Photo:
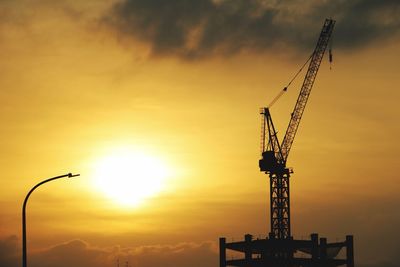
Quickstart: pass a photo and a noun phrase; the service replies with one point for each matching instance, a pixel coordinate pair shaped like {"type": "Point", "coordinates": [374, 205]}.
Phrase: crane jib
{"type": "Point", "coordinates": [306, 87]}
{"type": "Point", "coordinates": [273, 147]}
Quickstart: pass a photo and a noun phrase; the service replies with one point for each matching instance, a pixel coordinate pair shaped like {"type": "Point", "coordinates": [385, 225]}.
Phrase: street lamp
{"type": "Point", "coordinates": [24, 259]}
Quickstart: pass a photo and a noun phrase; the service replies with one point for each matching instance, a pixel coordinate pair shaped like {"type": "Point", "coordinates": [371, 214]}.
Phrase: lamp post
{"type": "Point", "coordinates": [24, 258]}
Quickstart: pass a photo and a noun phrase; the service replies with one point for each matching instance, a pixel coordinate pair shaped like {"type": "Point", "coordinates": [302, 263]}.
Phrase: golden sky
{"type": "Point", "coordinates": [183, 82]}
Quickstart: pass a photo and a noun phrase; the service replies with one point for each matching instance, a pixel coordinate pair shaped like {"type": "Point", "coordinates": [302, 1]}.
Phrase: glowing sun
{"type": "Point", "coordinates": [130, 177]}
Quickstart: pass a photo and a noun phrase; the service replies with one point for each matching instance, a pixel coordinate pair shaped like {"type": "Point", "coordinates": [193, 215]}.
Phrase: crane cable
{"type": "Point", "coordinates": [286, 87]}
{"type": "Point", "coordinates": [330, 53]}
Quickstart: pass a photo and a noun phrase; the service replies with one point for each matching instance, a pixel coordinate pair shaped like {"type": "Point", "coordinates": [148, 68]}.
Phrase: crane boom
{"type": "Point", "coordinates": [306, 87]}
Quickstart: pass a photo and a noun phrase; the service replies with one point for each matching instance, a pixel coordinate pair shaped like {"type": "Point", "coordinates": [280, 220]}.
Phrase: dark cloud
{"type": "Point", "coordinates": [363, 21]}
{"type": "Point", "coordinates": [193, 29]}
{"type": "Point", "coordinates": [381, 264]}
{"type": "Point", "coordinates": [78, 253]}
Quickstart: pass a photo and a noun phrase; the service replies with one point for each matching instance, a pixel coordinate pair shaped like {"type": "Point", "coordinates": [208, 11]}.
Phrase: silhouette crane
{"type": "Point", "coordinates": [274, 154]}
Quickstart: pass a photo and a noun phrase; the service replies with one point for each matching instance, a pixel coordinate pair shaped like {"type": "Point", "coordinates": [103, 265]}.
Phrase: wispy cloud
{"type": "Point", "coordinates": [195, 29]}
{"type": "Point", "coordinates": [78, 253]}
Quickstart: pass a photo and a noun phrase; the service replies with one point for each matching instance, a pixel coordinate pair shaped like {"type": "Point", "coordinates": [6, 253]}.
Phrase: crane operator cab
{"type": "Point", "coordinates": [269, 163]}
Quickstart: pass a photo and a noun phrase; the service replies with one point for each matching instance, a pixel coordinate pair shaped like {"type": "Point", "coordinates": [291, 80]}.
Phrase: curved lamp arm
{"type": "Point", "coordinates": [24, 257]}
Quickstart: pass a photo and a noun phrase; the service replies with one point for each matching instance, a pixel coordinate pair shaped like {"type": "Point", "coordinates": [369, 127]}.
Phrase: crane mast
{"type": "Point", "coordinates": [274, 155]}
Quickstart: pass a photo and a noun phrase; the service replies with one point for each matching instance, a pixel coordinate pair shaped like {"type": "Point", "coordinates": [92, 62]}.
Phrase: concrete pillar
{"type": "Point", "coordinates": [248, 249]}
{"type": "Point", "coordinates": [314, 249]}
{"type": "Point", "coordinates": [222, 252]}
{"type": "Point", "coordinates": [271, 235]}
{"type": "Point", "coordinates": [323, 251]}
{"type": "Point", "coordinates": [349, 251]}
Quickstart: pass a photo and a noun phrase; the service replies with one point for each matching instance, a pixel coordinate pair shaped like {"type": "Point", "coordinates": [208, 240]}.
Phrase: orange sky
{"type": "Point", "coordinates": [73, 89]}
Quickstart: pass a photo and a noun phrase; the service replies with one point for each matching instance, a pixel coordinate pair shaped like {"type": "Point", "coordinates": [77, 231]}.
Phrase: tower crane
{"type": "Point", "coordinates": [275, 154]}
{"type": "Point", "coordinates": [280, 249]}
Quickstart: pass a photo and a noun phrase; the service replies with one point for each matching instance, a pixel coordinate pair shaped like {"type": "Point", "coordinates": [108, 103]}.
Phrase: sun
{"type": "Point", "coordinates": [130, 177]}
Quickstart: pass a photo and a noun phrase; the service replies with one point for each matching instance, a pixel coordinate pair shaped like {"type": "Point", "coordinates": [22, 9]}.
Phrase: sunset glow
{"type": "Point", "coordinates": [156, 105]}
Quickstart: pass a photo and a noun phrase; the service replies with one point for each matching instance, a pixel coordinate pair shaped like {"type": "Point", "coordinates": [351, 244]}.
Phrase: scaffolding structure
{"type": "Point", "coordinates": [272, 252]}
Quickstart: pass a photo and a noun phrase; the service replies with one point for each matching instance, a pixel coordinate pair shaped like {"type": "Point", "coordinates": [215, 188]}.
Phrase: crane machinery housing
{"type": "Point", "coordinates": [279, 248]}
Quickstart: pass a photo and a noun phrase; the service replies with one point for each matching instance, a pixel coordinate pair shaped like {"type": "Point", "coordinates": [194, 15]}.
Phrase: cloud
{"type": "Point", "coordinates": [9, 251]}
{"type": "Point", "coordinates": [180, 255]}
{"type": "Point", "coordinates": [75, 253]}
{"type": "Point", "coordinates": [381, 264]}
{"type": "Point", "coordinates": [78, 253]}
{"type": "Point", "coordinates": [201, 28]}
